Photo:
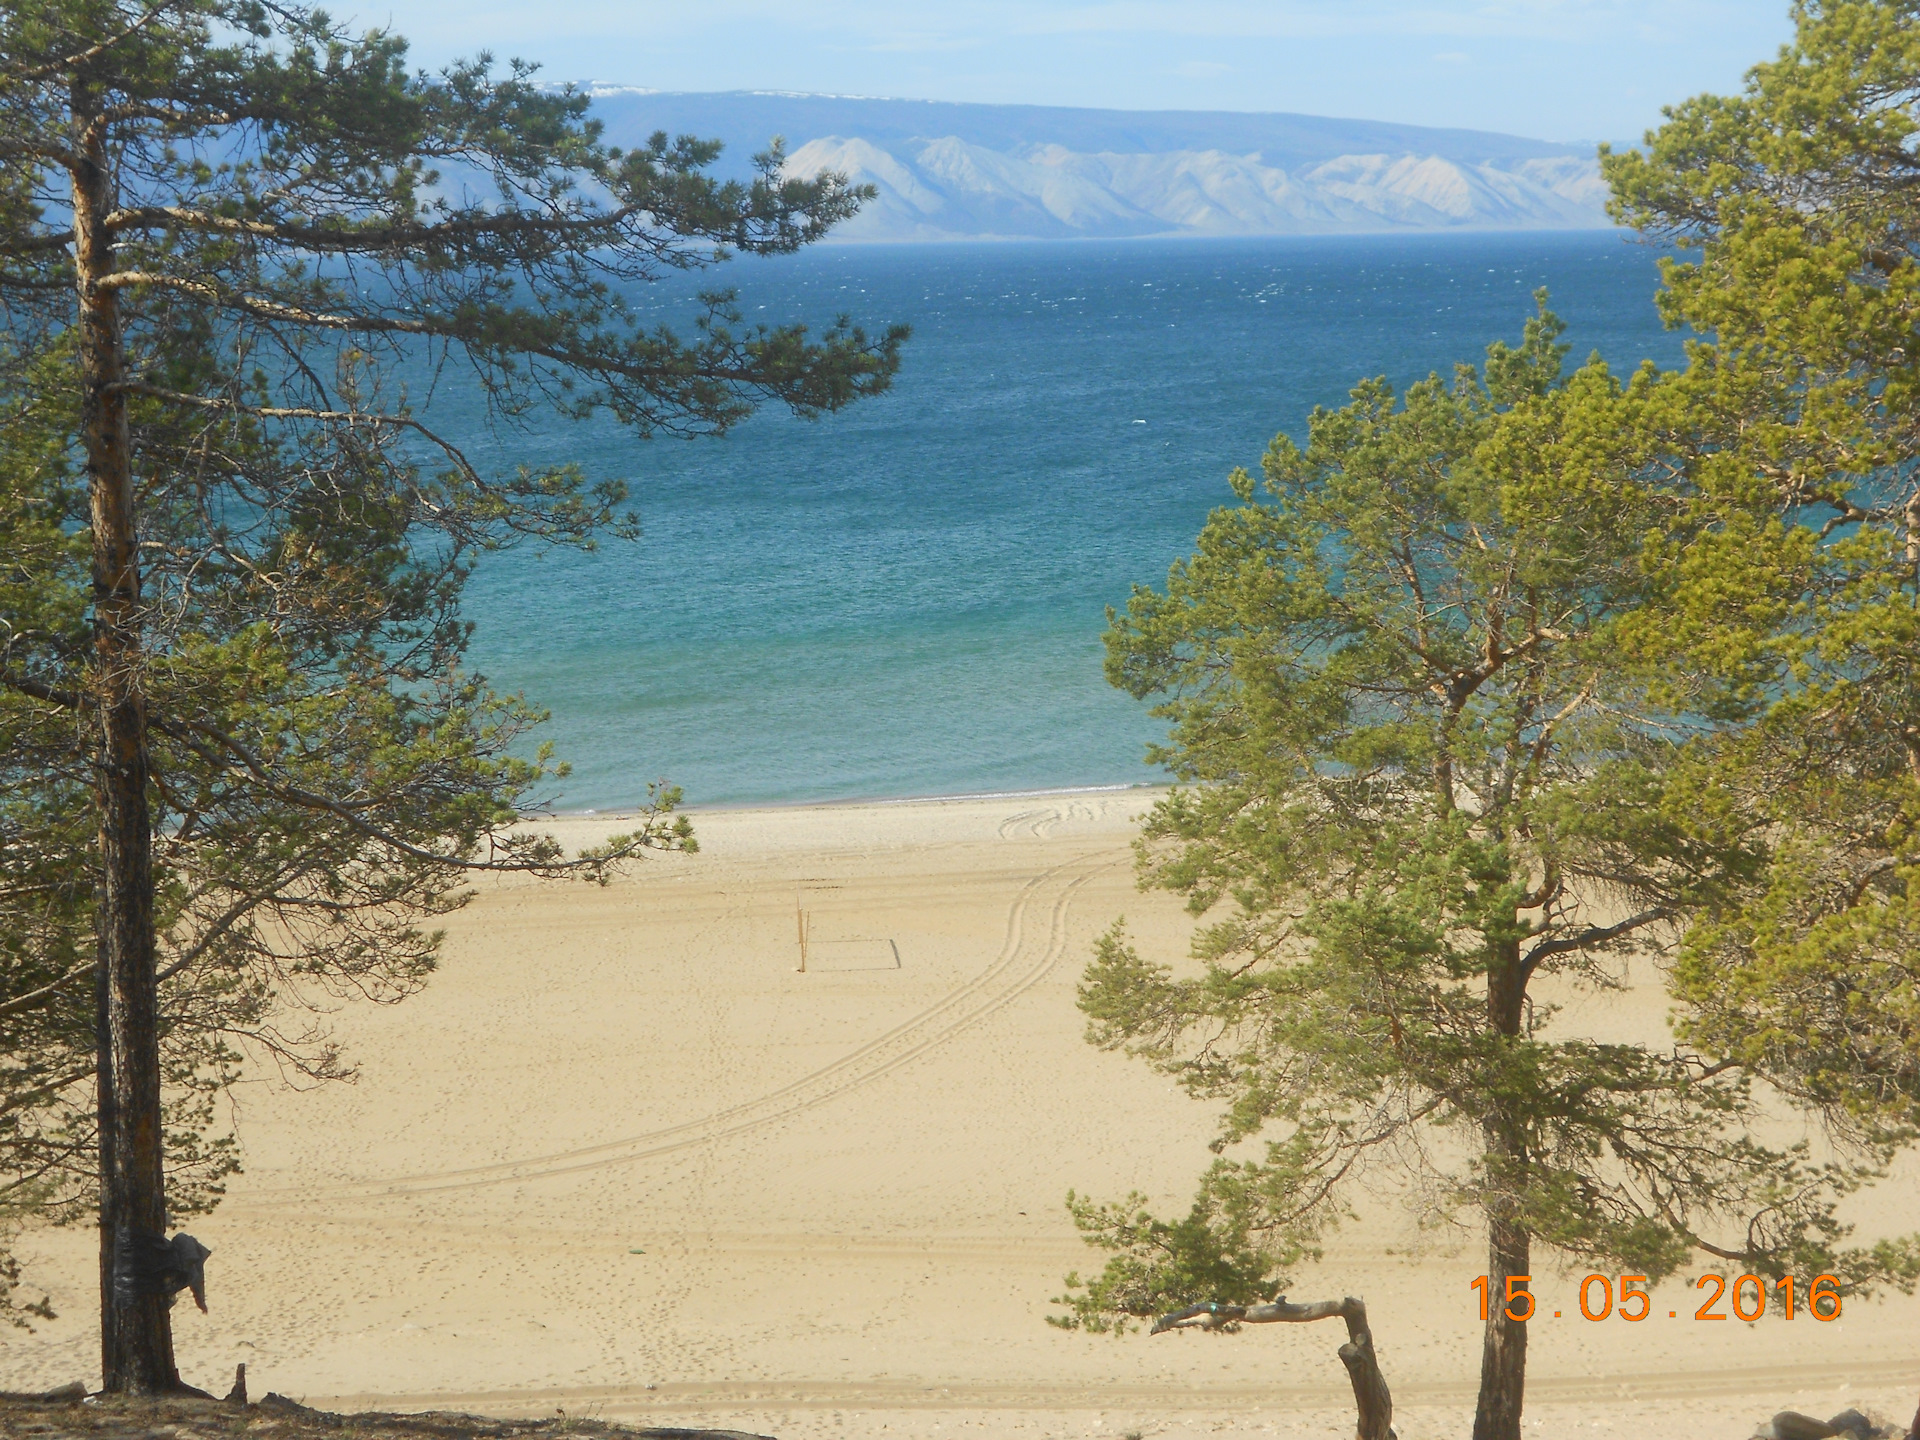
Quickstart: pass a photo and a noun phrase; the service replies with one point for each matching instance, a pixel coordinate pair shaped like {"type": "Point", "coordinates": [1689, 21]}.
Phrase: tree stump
{"type": "Point", "coordinates": [1370, 1395]}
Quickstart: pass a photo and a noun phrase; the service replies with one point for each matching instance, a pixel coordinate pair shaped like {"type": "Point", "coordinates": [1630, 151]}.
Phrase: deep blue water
{"type": "Point", "coordinates": [908, 598]}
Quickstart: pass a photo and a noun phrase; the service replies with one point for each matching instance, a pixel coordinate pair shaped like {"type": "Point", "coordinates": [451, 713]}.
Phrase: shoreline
{"type": "Point", "coordinates": [623, 812]}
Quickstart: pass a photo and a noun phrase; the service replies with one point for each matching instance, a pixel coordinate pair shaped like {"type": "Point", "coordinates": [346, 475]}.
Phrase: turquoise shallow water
{"type": "Point", "coordinates": [907, 599]}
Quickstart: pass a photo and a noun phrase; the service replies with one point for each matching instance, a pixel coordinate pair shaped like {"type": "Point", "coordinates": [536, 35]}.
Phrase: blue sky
{"type": "Point", "coordinates": [1556, 69]}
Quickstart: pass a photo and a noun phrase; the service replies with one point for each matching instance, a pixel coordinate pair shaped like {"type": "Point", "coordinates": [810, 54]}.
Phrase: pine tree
{"type": "Point", "coordinates": [1431, 778]}
{"type": "Point", "coordinates": [226, 228]}
{"type": "Point", "coordinates": [1791, 440]}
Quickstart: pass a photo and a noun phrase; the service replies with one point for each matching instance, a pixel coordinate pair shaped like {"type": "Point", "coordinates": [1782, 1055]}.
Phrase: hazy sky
{"type": "Point", "coordinates": [1556, 69]}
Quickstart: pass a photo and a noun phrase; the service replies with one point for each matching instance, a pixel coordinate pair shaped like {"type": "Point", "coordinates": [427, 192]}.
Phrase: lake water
{"type": "Point", "coordinates": [908, 598]}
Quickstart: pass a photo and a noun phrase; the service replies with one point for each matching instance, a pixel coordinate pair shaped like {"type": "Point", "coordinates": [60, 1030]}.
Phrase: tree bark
{"type": "Point", "coordinates": [1503, 1350]}
{"type": "Point", "coordinates": [1371, 1398]}
{"type": "Point", "coordinates": [136, 1333]}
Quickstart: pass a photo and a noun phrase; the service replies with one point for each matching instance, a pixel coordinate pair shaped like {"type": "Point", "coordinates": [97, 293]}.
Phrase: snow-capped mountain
{"type": "Point", "coordinates": [947, 172]}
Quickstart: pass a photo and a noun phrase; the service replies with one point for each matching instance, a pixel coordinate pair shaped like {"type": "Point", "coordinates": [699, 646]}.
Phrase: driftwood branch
{"type": "Point", "coordinates": [1370, 1395]}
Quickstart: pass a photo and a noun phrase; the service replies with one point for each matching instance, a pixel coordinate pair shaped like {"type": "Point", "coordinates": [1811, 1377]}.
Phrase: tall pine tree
{"type": "Point", "coordinates": [1792, 445]}
{"type": "Point", "coordinates": [233, 621]}
{"type": "Point", "coordinates": [1432, 782]}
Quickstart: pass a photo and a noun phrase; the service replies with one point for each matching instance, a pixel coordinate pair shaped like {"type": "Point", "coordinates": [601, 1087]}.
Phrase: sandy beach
{"type": "Point", "coordinates": [623, 1158]}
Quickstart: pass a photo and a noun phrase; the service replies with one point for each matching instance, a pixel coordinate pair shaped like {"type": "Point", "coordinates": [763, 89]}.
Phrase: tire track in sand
{"type": "Point", "coordinates": [1014, 970]}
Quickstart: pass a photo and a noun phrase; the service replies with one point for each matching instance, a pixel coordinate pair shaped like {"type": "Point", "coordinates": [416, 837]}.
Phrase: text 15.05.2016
{"type": "Point", "coordinates": [1747, 1296]}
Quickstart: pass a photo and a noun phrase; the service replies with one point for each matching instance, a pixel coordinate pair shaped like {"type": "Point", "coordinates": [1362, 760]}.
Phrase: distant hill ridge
{"type": "Point", "coordinates": [949, 171]}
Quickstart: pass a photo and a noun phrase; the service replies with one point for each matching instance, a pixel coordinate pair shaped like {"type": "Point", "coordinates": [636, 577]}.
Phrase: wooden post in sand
{"type": "Point", "coordinates": [800, 919]}
{"type": "Point", "coordinates": [1370, 1395]}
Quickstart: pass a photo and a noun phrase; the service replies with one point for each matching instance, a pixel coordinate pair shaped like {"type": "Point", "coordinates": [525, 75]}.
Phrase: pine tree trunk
{"type": "Point", "coordinates": [1503, 1351]}
{"type": "Point", "coordinates": [136, 1333]}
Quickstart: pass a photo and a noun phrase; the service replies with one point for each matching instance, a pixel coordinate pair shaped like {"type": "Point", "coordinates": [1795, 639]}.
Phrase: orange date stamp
{"type": "Point", "coordinates": [1600, 1300]}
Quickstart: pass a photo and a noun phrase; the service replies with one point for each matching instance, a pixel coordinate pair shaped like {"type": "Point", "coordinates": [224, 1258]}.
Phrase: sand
{"type": "Point", "coordinates": [623, 1159]}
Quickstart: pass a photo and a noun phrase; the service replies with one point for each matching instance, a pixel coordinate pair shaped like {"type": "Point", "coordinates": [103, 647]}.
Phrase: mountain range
{"type": "Point", "coordinates": [947, 171]}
